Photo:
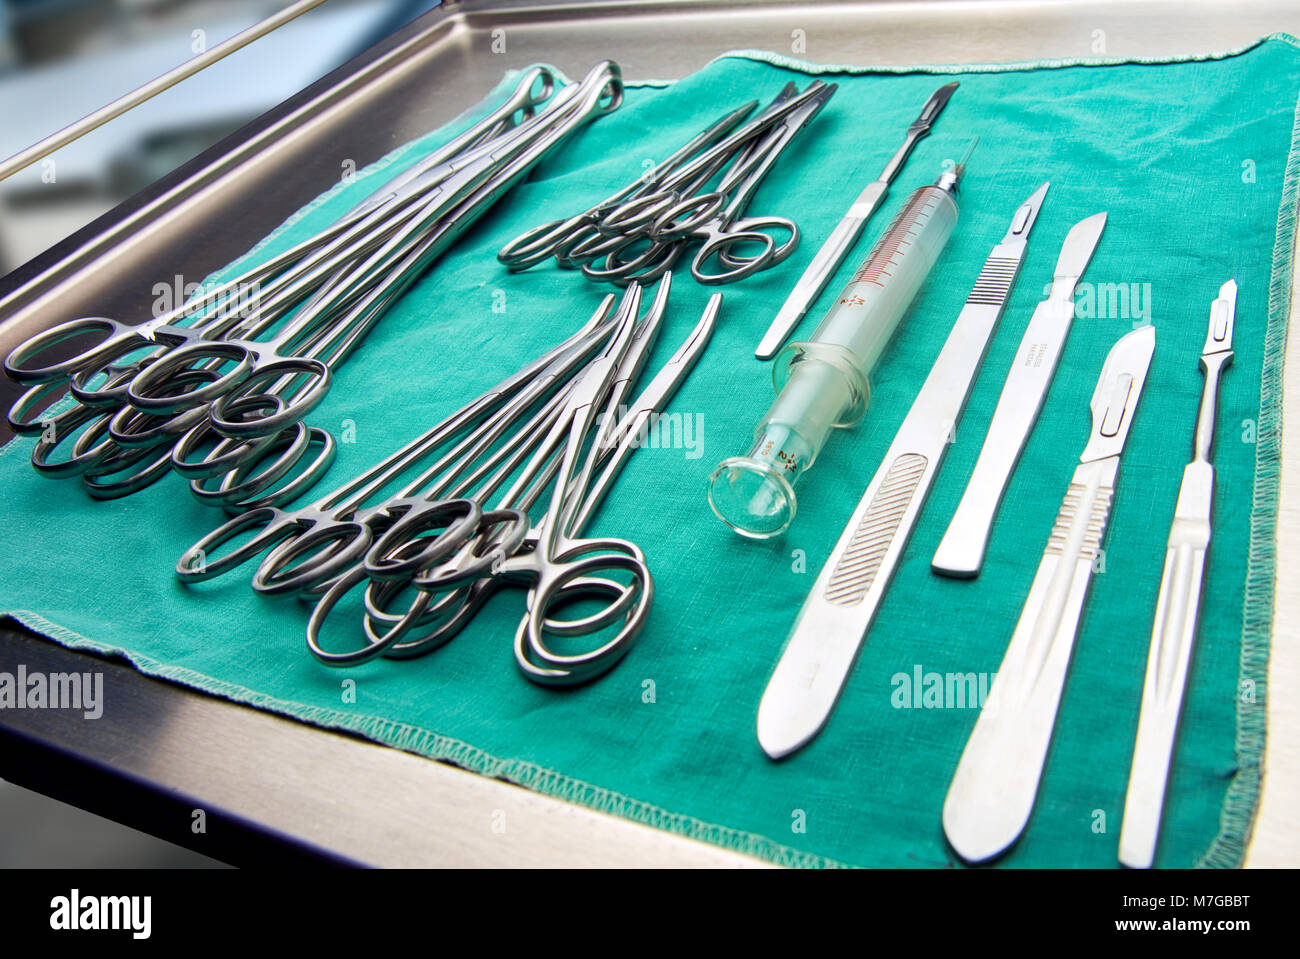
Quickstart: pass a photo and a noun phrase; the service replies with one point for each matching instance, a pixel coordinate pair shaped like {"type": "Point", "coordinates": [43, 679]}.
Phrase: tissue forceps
{"type": "Point", "coordinates": [188, 384]}
{"type": "Point", "coordinates": [341, 507]}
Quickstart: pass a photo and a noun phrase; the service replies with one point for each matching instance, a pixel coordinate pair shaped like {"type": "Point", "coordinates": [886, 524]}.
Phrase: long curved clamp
{"type": "Point", "coordinates": [1177, 609]}
{"type": "Point", "coordinates": [842, 603]}
{"type": "Point", "coordinates": [996, 783]}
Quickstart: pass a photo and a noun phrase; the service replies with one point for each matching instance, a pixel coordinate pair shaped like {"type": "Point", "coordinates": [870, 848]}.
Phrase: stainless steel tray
{"type": "Point", "coordinates": [214, 208]}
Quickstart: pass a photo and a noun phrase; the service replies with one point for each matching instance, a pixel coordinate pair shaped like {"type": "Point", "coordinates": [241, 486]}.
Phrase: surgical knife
{"type": "Point", "coordinates": [847, 231]}
{"type": "Point", "coordinates": [838, 611]}
{"type": "Point", "coordinates": [961, 551]}
{"type": "Point", "coordinates": [996, 783]}
{"type": "Point", "coordinates": [1177, 608]}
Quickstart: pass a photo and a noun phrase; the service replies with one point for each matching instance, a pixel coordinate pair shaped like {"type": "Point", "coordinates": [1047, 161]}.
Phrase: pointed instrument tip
{"type": "Point", "coordinates": [1228, 290]}
{"type": "Point", "coordinates": [1035, 199]}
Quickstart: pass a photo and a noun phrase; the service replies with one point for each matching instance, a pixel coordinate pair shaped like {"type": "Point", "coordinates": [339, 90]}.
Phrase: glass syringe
{"type": "Point", "coordinates": [824, 383]}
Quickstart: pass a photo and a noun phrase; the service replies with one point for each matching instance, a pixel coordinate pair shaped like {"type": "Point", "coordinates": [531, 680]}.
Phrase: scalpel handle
{"type": "Point", "coordinates": [996, 783]}
{"type": "Point", "coordinates": [1172, 637]}
{"type": "Point", "coordinates": [821, 269]}
{"type": "Point", "coordinates": [842, 603]}
{"type": "Point", "coordinates": [961, 551]}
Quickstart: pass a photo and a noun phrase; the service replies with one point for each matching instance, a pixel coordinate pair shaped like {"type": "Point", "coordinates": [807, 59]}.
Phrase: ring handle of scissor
{"type": "Point", "coordinates": [611, 91]}
{"type": "Point", "coordinates": [128, 428]}
{"type": "Point", "coordinates": [644, 266]}
{"type": "Point", "coordinates": [388, 642]}
{"type": "Point", "coordinates": [230, 419]}
{"type": "Point", "coordinates": [540, 243]}
{"type": "Point", "coordinates": [454, 522]}
{"type": "Point", "coordinates": [28, 417]}
{"type": "Point", "coordinates": [262, 464]}
{"type": "Point", "coordinates": [329, 544]}
{"type": "Point", "coordinates": [436, 618]}
{"type": "Point", "coordinates": [501, 534]}
{"type": "Point", "coordinates": [197, 564]}
{"type": "Point", "coordinates": [328, 548]}
{"type": "Point", "coordinates": [303, 479]}
{"type": "Point", "coordinates": [241, 493]}
{"type": "Point", "coordinates": [589, 550]}
{"type": "Point", "coordinates": [117, 339]}
{"type": "Point", "coordinates": [104, 382]}
{"type": "Point", "coordinates": [225, 453]}
{"type": "Point", "coordinates": [72, 427]}
{"type": "Point", "coordinates": [325, 605]}
{"type": "Point", "coordinates": [634, 216]}
{"type": "Point", "coordinates": [581, 577]}
{"type": "Point", "coordinates": [151, 390]}
{"type": "Point", "coordinates": [688, 216]}
{"type": "Point", "coordinates": [95, 449]}
{"type": "Point", "coordinates": [720, 241]}
{"type": "Point", "coordinates": [128, 472]}
{"type": "Point", "coordinates": [448, 594]}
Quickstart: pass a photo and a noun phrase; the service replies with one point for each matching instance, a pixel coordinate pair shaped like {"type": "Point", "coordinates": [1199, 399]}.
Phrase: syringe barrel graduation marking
{"type": "Point", "coordinates": [824, 382]}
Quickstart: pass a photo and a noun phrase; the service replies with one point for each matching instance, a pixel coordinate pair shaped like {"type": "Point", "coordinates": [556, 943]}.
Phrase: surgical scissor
{"type": "Point", "coordinates": [230, 388]}
{"type": "Point", "coordinates": [644, 229]}
{"type": "Point", "coordinates": [454, 571]}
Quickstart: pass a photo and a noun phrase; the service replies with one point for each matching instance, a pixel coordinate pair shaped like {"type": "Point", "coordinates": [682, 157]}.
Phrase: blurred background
{"type": "Point", "coordinates": [63, 59]}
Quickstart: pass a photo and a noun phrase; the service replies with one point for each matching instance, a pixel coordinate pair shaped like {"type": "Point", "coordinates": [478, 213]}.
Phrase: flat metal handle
{"type": "Point", "coordinates": [1172, 639]}
{"type": "Point", "coordinates": [835, 617]}
{"type": "Point", "coordinates": [993, 791]}
{"type": "Point", "coordinates": [961, 551]}
{"type": "Point", "coordinates": [821, 269]}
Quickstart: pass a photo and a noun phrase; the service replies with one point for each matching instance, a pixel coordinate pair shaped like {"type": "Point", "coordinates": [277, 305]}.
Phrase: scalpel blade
{"type": "Point", "coordinates": [961, 551]}
{"type": "Point", "coordinates": [842, 603]}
